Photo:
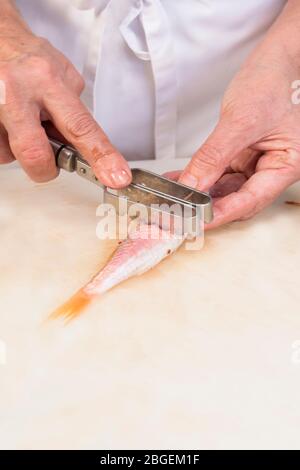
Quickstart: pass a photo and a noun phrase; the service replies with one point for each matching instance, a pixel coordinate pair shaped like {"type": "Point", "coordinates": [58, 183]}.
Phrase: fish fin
{"type": "Point", "coordinates": [73, 307]}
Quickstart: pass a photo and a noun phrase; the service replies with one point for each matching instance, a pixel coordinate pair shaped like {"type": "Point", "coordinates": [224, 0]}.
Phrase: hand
{"type": "Point", "coordinates": [257, 139]}
{"type": "Point", "coordinates": [40, 83]}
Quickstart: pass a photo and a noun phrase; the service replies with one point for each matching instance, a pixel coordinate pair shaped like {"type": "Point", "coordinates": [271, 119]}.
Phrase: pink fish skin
{"type": "Point", "coordinates": [144, 248]}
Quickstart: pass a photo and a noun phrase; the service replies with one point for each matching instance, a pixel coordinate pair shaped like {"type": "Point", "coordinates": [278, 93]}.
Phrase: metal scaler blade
{"type": "Point", "coordinates": [159, 195]}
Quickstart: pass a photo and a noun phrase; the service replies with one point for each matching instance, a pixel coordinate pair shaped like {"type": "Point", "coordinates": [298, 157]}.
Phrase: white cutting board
{"type": "Point", "coordinates": [198, 353]}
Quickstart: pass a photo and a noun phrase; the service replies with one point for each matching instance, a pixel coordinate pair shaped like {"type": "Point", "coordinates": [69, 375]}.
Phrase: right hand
{"type": "Point", "coordinates": [40, 83]}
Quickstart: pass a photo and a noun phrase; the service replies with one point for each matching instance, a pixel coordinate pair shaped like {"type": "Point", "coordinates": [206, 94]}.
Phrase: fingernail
{"type": "Point", "coordinates": [120, 177]}
{"type": "Point", "coordinates": [189, 180]}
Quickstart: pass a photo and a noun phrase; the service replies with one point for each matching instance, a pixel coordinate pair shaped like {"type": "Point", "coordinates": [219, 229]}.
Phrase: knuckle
{"type": "Point", "coordinates": [79, 82]}
{"type": "Point", "coordinates": [104, 152]}
{"type": "Point", "coordinates": [73, 78]}
{"type": "Point", "coordinates": [81, 125]}
{"type": "Point", "coordinates": [284, 161]}
{"type": "Point", "coordinates": [32, 154]}
{"type": "Point", "coordinates": [209, 157]}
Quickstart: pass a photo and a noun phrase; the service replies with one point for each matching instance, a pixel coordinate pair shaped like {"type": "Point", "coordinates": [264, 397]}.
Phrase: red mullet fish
{"type": "Point", "coordinates": [144, 248]}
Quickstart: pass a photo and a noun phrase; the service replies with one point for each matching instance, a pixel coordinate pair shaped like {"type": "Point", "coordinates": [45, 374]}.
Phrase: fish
{"type": "Point", "coordinates": [145, 246]}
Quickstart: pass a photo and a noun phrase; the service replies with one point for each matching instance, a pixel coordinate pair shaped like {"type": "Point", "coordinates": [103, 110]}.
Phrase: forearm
{"type": "Point", "coordinates": [285, 32]}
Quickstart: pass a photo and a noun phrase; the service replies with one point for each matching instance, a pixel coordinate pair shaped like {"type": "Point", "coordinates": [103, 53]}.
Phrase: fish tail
{"type": "Point", "coordinates": [73, 307]}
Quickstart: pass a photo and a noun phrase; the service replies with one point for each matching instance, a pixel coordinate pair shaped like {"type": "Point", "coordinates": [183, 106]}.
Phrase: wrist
{"type": "Point", "coordinates": [285, 32]}
{"type": "Point", "coordinates": [11, 19]}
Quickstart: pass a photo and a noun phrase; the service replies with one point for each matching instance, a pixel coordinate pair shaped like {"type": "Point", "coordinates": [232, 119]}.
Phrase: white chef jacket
{"type": "Point", "coordinates": [155, 70]}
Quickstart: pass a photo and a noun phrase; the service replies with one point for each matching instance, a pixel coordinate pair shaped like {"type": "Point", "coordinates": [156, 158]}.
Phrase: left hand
{"type": "Point", "coordinates": [255, 148]}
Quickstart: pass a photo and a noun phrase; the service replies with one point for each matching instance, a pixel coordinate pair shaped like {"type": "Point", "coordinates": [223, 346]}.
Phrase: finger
{"type": "Point", "coordinates": [228, 183]}
{"type": "Point", "coordinates": [172, 175]}
{"type": "Point", "coordinates": [51, 131]}
{"type": "Point", "coordinates": [258, 192]}
{"type": "Point", "coordinates": [225, 185]}
{"type": "Point", "coordinates": [246, 162]}
{"type": "Point", "coordinates": [6, 155]}
{"type": "Point", "coordinates": [208, 164]}
{"type": "Point", "coordinates": [30, 146]}
{"type": "Point", "coordinates": [74, 121]}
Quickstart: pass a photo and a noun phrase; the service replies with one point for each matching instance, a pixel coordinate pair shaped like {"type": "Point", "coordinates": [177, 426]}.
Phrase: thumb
{"type": "Point", "coordinates": [209, 162]}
